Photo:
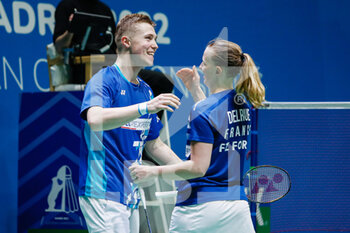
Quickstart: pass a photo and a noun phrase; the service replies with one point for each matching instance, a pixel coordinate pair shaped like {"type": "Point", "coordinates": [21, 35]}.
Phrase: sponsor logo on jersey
{"type": "Point", "coordinates": [138, 124]}
{"type": "Point", "coordinates": [239, 99]}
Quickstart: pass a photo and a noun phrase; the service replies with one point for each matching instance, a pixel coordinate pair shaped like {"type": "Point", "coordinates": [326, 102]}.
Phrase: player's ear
{"type": "Point", "coordinates": [126, 42]}
{"type": "Point", "coordinates": [218, 70]}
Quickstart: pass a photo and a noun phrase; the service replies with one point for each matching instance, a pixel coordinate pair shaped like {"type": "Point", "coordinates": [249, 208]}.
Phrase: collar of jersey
{"type": "Point", "coordinates": [120, 72]}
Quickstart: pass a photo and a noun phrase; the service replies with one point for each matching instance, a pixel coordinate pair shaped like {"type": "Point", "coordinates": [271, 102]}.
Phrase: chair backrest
{"type": "Point", "coordinates": [59, 73]}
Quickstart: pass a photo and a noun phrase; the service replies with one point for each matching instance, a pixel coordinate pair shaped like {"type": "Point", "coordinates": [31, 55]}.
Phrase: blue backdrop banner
{"type": "Point", "coordinates": [48, 166]}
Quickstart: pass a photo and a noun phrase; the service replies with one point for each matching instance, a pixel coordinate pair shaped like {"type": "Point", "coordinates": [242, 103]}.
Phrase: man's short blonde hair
{"type": "Point", "coordinates": [126, 26]}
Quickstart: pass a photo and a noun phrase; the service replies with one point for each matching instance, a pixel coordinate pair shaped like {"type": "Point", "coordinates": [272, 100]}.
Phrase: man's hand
{"type": "Point", "coordinates": [165, 101]}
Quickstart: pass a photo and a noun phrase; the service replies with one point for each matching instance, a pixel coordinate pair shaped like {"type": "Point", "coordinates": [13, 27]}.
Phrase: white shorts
{"type": "Point", "coordinates": [109, 216]}
{"type": "Point", "coordinates": [211, 217]}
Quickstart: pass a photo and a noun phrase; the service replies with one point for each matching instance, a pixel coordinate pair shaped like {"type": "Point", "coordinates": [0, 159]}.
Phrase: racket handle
{"type": "Point", "coordinates": [143, 199]}
{"type": "Point", "coordinates": [167, 194]}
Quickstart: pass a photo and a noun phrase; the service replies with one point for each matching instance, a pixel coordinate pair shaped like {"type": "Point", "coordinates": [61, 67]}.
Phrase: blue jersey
{"type": "Point", "coordinates": [106, 155]}
{"type": "Point", "coordinates": [224, 120]}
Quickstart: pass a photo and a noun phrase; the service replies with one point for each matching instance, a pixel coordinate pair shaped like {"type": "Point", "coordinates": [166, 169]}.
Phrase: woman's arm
{"type": "Point", "coordinates": [161, 152]}
{"type": "Point", "coordinates": [196, 167]}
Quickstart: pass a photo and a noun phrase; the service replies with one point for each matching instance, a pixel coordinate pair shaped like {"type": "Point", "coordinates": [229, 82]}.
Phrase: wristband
{"type": "Point", "coordinates": [142, 108]}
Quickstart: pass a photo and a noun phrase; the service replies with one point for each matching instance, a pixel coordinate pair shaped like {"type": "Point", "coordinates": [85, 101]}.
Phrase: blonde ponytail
{"type": "Point", "coordinates": [249, 82]}
{"type": "Point", "coordinates": [229, 55]}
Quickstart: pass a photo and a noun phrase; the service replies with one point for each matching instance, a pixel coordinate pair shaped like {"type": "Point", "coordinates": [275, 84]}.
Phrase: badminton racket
{"type": "Point", "coordinates": [262, 184]}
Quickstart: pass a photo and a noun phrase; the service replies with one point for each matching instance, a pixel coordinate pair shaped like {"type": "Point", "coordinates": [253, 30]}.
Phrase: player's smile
{"type": "Point", "coordinates": [144, 44]}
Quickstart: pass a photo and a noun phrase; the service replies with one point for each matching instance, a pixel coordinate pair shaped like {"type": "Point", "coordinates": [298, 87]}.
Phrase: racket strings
{"type": "Point", "coordinates": [266, 184]}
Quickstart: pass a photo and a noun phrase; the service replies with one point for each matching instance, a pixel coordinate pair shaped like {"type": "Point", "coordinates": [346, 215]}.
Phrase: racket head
{"type": "Point", "coordinates": [266, 183]}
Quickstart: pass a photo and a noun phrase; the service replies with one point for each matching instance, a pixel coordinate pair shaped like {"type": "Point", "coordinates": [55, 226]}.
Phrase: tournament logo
{"type": "Point", "coordinates": [63, 205]}
{"type": "Point", "coordinates": [63, 188]}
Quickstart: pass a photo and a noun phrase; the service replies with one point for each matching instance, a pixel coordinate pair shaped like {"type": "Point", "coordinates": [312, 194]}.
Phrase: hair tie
{"type": "Point", "coordinates": [242, 57]}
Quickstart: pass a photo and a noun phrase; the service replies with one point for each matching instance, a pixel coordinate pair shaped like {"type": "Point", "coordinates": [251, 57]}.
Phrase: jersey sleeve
{"type": "Point", "coordinates": [156, 126]}
{"type": "Point", "coordinates": [98, 92]}
{"type": "Point", "coordinates": [200, 129]}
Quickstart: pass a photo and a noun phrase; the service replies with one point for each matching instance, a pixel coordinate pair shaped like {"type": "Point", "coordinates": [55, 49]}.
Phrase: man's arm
{"type": "Point", "coordinates": [110, 118]}
{"type": "Point", "coordinates": [63, 41]}
{"type": "Point", "coordinates": [101, 119]}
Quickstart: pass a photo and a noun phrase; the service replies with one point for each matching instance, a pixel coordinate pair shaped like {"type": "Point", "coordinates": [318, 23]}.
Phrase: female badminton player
{"type": "Point", "coordinates": [210, 197]}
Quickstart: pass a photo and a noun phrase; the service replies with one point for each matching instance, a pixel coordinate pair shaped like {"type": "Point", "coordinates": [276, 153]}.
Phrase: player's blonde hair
{"type": "Point", "coordinates": [230, 55]}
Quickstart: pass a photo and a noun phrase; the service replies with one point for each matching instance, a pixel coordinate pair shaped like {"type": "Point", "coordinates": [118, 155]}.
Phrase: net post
{"type": "Point", "coordinates": [254, 155]}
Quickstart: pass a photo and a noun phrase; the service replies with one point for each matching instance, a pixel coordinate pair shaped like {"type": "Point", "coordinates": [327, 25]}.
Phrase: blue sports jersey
{"type": "Point", "coordinates": [224, 120]}
{"type": "Point", "coordinates": [106, 155]}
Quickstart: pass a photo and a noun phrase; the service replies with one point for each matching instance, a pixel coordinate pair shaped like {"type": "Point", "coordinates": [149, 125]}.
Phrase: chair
{"type": "Point", "coordinates": [60, 72]}
{"type": "Point", "coordinates": [89, 61]}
